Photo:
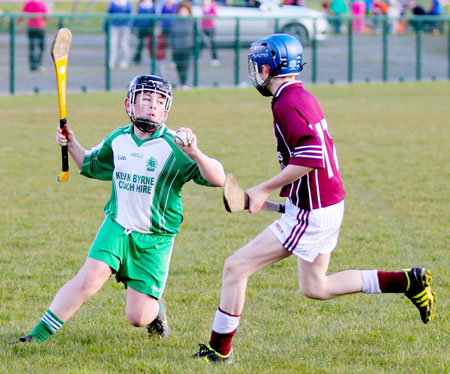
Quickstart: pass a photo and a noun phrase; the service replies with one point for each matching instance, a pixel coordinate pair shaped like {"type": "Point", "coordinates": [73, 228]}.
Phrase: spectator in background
{"type": "Point", "coordinates": [169, 7]}
{"type": "Point", "coordinates": [182, 41]}
{"type": "Point", "coordinates": [427, 26]}
{"type": "Point", "coordinates": [120, 29]}
{"type": "Point", "coordinates": [337, 8]}
{"type": "Point", "coordinates": [209, 10]}
{"type": "Point", "coordinates": [393, 13]}
{"type": "Point", "coordinates": [142, 27]}
{"type": "Point", "coordinates": [36, 33]}
{"type": "Point", "coordinates": [436, 9]}
{"type": "Point", "coordinates": [358, 13]}
{"type": "Point", "coordinates": [295, 2]}
{"type": "Point", "coordinates": [379, 9]}
{"type": "Point", "coordinates": [159, 50]}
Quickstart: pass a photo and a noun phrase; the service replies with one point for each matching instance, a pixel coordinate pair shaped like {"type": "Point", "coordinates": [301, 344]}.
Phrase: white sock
{"type": "Point", "coordinates": [225, 323]}
{"type": "Point", "coordinates": [370, 281]}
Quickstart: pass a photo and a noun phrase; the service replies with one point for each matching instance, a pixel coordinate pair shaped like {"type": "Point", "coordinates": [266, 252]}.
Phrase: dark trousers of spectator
{"type": "Point", "coordinates": [142, 34]}
{"type": "Point", "coordinates": [36, 45]}
{"type": "Point", "coordinates": [209, 40]}
{"type": "Point", "coordinates": [336, 25]}
{"type": "Point", "coordinates": [182, 59]}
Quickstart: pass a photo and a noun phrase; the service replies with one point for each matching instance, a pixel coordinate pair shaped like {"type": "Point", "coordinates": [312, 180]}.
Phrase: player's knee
{"type": "Point", "coordinates": [136, 319]}
{"type": "Point", "coordinates": [88, 284]}
{"type": "Point", "coordinates": [232, 268]}
{"type": "Point", "coordinates": [313, 291]}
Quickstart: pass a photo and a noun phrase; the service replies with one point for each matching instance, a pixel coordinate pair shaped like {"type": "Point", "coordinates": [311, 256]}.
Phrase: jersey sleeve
{"type": "Point", "coordinates": [302, 140]}
{"type": "Point", "coordinates": [98, 162]}
{"type": "Point", "coordinates": [190, 167]}
{"type": "Point", "coordinates": [192, 172]}
{"type": "Point", "coordinates": [198, 178]}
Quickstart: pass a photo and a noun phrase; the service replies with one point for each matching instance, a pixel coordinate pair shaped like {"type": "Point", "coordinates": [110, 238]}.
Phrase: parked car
{"type": "Point", "coordinates": [267, 18]}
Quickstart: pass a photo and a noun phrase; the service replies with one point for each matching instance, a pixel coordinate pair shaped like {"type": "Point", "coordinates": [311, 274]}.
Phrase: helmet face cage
{"type": "Point", "coordinates": [283, 54]}
{"type": "Point", "coordinates": [148, 84]}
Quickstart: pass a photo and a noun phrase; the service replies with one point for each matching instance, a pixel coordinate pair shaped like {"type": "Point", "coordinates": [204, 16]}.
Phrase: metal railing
{"type": "Point", "coordinates": [337, 58]}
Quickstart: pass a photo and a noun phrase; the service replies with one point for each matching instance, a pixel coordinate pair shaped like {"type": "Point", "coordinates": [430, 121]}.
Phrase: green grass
{"type": "Point", "coordinates": [392, 142]}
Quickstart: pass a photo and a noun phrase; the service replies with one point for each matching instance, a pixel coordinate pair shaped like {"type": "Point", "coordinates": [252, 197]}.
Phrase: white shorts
{"type": "Point", "coordinates": [308, 233]}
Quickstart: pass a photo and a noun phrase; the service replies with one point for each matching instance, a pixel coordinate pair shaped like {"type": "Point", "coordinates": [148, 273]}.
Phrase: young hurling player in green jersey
{"type": "Point", "coordinates": [135, 241]}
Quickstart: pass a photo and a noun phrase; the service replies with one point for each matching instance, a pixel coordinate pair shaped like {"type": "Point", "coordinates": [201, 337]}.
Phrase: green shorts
{"type": "Point", "coordinates": [140, 261]}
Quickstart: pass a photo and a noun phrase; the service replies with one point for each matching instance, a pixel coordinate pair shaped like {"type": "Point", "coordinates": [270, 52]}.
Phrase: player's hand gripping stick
{"type": "Point", "coordinates": [60, 54]}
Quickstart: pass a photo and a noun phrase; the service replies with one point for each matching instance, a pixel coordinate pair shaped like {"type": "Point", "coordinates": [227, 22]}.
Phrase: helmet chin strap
{"type": "Point", "coordinates": [263, 90]}
{"type": "Point", "coordinates": [145, 125]}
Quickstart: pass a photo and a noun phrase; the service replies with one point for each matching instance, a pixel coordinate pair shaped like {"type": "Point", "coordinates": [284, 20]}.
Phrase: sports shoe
{"type": "Point", "coordinates": [159, 326]}
{"type": "Point", "coordinates": [420, 293]}
{"type": "Point", "coordinates": [209, 354]}
{"type": "Point", "coordinates": [23, 339]}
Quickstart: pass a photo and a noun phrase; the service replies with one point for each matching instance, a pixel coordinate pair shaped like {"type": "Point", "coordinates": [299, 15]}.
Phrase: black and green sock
{"type": "Point", "coordinates": [48, 325]}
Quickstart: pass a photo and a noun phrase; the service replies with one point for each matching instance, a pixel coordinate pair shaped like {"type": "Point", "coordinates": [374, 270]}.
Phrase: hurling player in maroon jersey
{"type": "Point", "coordinates": [309, 228]}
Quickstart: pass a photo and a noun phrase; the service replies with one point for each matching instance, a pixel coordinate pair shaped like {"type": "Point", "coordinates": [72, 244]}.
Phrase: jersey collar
{"type": "Point", "coordinates": [157, 134]}
{"type": "Point", "coordinates": [284, 85]}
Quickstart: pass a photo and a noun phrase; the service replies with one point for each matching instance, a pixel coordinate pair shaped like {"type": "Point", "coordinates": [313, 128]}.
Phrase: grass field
{"type": "Point", "coordinates": [392, 142]}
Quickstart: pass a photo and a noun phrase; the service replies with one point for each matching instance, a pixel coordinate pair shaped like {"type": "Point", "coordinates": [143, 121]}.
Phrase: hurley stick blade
{"type": "Point", "coordinates": [234, 197]}
{"type": "Point", "coordinates": [61, 44]}
{"type": "Point", "coordinates": [60, 54]}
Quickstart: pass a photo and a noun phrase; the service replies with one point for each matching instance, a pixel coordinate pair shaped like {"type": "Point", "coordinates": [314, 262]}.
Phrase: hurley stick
{"type": "Point", "coordinates": [235, 199]}
{"type": "Point", "coordinates": [60, 54]}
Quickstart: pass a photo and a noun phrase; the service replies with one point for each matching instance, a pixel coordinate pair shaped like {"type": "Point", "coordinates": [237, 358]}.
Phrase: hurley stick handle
{"type": "Point", "coordinates": [268, 205]}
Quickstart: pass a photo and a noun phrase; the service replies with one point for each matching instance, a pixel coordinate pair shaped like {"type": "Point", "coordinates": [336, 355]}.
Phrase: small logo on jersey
{"type": "Point", "coordinates": [156, 289]}
{"type": "Point", "coordinates": [152, 163]}
{"type": "Point", "coordinates": [279, 228]}
{"type": "Point", "coordinates": [137, 155]}
{"type": "Point", "coordinates": [121, 157]}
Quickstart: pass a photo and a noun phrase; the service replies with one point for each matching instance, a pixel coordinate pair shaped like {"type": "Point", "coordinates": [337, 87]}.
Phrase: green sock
{"type": "Point", "coordinates": [48, 325]}
{"type": "Point", "coordinates": [160, 307]}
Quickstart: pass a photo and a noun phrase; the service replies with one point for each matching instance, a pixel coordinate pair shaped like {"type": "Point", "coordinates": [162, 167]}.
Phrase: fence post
{"type": "Point", "coordinates": [196, 52]}
{"type": "Point", "coordinates": [237, 49]}
{"type": "Point", "coordinates": [419, 50]}
{"type": "Point", "coordinates": [107, 55]}
{"type": "Point", "coordinates": [314, 53]}
{"type": "Point", "coordinates": [350, 51]}
{"type": "Point", "coordinates": [385, 48]}
{"type": "Point", "coordinates": [154, 55]}
{"type": "Point", "coordinates": [12, 55]}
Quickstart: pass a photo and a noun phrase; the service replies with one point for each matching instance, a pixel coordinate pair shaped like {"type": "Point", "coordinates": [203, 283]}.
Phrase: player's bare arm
{"type": "Point", "coordinates": [258, 194]}
{"type": "Point", "coordinates": [74, 147]}
{"type": "Point", "coordinates": [211, 169]}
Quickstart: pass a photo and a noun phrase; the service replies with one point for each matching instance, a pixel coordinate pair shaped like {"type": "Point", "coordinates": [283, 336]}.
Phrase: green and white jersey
{"type": "Point", "coordinates": [147, 179]}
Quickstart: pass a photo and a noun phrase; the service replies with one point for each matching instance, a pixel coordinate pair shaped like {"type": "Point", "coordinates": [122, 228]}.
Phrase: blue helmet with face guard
{"type": "Point", "coordinates": [148, 83]}
{"type": "Point", "coordinates": [283, 53]}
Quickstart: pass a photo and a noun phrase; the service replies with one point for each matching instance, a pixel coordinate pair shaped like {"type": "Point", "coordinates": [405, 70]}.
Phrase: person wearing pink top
{"type": "Point", "coordinates": [209, 10]}
{"type": "Point", "coordinates": [36, 33]}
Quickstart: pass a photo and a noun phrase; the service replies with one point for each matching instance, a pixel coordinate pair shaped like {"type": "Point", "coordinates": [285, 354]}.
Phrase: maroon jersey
{"type": "Point", "coordinates": [302, 138]}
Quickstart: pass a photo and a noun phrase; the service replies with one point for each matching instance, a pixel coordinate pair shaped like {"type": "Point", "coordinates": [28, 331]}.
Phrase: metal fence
{"type": "Point", "coordinates": [378, 55]}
